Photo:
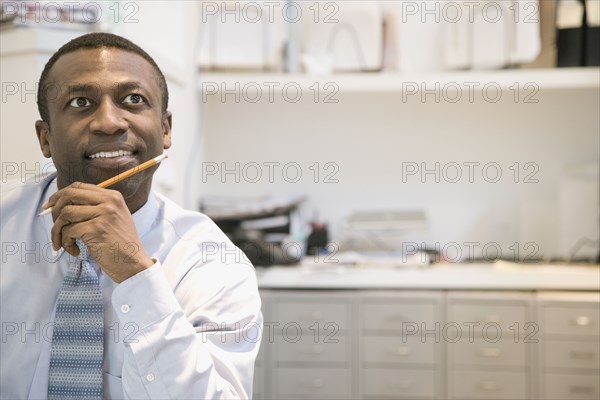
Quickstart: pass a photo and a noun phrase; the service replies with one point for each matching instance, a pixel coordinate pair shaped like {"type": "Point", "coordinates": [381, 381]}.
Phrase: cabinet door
{"type": "Point", "coordinates": [396, 350]}
{"type": "Point", "coordinates": [572, 320]}
{"type": "Point", "coordinates": [313, 349]}
{"type": "Point", "coordinates": [488, 385]}
{"type": "Point", "coordinates": [572, 354]}
{"type": "Point", "coordinates": [398, 315]}
{"type": "Point", "coordinates": [571, 386]}
{"type": "Point", "coordinates": [501, 353]}
{"type": "Point", "coordinates": [311, 313]}
{"type": "Point", "coordinates": [399, 383]}
{"type": "Point", "coordinates": [313, 383]}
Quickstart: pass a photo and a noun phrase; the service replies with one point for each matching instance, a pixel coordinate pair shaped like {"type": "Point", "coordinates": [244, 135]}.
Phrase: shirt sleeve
{"type": "Point", "coordinates": [189, 344]}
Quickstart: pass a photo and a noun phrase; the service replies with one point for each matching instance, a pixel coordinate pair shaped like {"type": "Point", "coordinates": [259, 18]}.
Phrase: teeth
{"type": "Point", "coordinates": [111, 154]}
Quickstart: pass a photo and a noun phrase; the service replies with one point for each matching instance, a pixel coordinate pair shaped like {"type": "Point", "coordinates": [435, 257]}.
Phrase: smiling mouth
{"type": "Point", "coordinates": [110, 154]}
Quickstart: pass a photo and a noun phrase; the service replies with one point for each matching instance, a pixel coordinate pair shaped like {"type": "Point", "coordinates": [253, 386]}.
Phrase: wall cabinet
{"type": "Point", "coordinates": [439, 344]}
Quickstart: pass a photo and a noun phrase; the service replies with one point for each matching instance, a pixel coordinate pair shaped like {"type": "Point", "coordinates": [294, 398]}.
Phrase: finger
{"type": "Point", "coordinates": [88, 195]}
{"type": "Point", "coordinates": [70, 235]}
{"type": "Point", "coordinates": [80, 193]}
{"type": "Point", "coordinates": [69, 215]}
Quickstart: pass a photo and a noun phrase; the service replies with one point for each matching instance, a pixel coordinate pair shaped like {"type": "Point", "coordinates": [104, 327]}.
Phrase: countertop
{"type": "Point", "coordinates": [490, 276]}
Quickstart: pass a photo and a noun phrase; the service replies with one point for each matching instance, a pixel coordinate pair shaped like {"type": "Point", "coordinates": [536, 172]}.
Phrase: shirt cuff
{"type": "Point", "coordinates": [145, 298]}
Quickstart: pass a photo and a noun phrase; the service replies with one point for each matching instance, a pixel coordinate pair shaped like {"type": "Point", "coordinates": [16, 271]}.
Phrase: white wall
{"type": "Point", "coordinates": [370, 135]}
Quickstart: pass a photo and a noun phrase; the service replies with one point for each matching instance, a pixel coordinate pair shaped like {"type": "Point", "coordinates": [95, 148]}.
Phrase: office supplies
{"type": "Point", "coordinates": [122, 176]}
{"type": "Point", "coordinates": [570, 35]}
{"type": "Point", "coordinates": [592, 33]}
{"type": "Point", "coordinates": [266, 229]}
{"type": "Point", "coordinates": [346, 35]}
{"type": "Point", "coordinates": [245, 36]}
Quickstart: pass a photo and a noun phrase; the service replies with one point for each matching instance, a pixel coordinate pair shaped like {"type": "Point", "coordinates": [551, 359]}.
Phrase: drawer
{"type": "Point", "coordinates": [572, 387]}
{"type": "Point", "coordinates": [306, 350]}
{"type": "Point", "coordinates": [488, 385]}
{"type": "Point", "coordinates": [318, 383]}
{"type": "Point", "coordinates": [312, 316]}
{"type": "Point", "coordinates": [571, 354]}
{"type": "Point", "coordinates": [571, 320]}
{"type": "Point", "coordinates": [393, 316]}
{"type": "Point", "coordinates": [506, 316]}
{"type": "Point", "coordinates": [392, 349]}
{"type": "Point", "coordinates": [503, 353]}
{"type": "Point", "coordinates": [400, 383]}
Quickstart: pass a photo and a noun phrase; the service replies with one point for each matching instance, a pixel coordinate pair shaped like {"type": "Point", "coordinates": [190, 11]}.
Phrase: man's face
{"type": "Point", "coordinates": [105, 117]}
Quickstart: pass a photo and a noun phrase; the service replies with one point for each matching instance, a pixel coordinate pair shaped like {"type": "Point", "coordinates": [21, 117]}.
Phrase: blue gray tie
{"type": "Point", "coordinates": [77, 341]}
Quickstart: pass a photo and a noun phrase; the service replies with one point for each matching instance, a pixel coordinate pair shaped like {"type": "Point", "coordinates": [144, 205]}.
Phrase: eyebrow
{"type": "Point", "coordinates": [91, 87]}
{"type": "Point", "coordinates": [125, 86]}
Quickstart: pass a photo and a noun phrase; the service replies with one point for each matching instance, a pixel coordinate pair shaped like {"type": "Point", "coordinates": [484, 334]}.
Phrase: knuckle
{"type": "Point", "coordinates": [116, 197]}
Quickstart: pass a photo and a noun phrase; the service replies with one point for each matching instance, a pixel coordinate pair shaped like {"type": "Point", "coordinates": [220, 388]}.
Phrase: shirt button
{"type": "Point", "coordinates": [150, 377]}
{"type": "Point", "coordinates": [125, 308]}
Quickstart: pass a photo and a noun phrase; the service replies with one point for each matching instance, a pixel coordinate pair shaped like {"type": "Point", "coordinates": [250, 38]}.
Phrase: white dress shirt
{"type": "Point", "coordinates": [188, 327]}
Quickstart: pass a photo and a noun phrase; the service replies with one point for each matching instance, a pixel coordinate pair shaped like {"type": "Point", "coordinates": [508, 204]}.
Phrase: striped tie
{"type": "Point", "coordinates": [77, 341]}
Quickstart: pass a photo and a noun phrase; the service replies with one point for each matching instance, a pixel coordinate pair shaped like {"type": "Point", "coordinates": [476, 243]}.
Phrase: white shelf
{"type": "Point", "coordinates": [563, 78]}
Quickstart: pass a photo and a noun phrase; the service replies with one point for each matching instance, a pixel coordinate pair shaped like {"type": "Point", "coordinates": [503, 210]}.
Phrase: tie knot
{"type": "Point", "coordinates": [83, 250]}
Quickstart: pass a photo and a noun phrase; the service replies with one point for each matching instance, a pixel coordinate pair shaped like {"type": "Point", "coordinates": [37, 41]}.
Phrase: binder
{"type": "Point", "coordinates": [592, 33]}
{"type": "Point", "coordinates": [570, 34]}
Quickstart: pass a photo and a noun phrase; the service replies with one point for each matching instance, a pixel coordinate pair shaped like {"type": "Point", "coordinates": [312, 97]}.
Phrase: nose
{"type": "Point", "coordinates": [108, 119]}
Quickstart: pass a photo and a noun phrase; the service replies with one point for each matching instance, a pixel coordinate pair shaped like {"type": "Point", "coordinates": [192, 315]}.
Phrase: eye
{"type": "Point", "coordinates": [79, 102]}
{"type": "Point", "coordinates": [134, 98]}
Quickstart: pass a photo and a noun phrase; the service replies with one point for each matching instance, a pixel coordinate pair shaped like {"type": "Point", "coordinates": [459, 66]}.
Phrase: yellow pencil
{"type": "Point", "coordinates": [122, 175]}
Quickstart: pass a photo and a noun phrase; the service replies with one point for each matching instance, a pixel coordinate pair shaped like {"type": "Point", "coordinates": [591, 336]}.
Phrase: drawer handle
{"type": "Point", "coordinates": [317, 383]}
{"type": "Point", "coordinates": [581, 389]}
{"type": "Point", "coordinates": [491, 318]}
{"type": "Point", "coordinates": [490, 352]}
{"type": "Point", "coordinates": [489, 386]}
{"type": "Point", "coordinates": [395, 318]}
{"type": "Point", "coordinates": [317, 315]}
{"type": "Point", "coordinates": [400, 385]}
{"type": "Point", "coordinates": [400, 351]}
{"type": "Point", "coordinates": [581, 355]}
{"type": "Point", "coordinates": [582, 320]}
{"type": "Point", "coordinates": [315, 350]}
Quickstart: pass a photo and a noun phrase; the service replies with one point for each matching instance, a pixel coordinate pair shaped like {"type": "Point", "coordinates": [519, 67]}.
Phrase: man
{"type": "Point", "coordinates": [181, 310]}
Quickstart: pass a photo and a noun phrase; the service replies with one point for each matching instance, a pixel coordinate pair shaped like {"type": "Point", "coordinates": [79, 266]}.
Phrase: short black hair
{"type": "Point", "coordinates": [96, 40]}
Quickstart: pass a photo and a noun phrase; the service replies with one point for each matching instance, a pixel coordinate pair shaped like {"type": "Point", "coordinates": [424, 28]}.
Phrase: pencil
{"type": "Point", "coordinates": [122, 176]}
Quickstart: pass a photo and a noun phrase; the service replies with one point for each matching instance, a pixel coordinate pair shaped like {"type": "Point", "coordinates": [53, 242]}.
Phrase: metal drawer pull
{"type": "Point", "coordinates": [395, 318]}
{"type": "Point", "coordinates": [491, 318]}
{"type": "Point", "coordinates": [316, 315]}
{"type": "Point", "coordinates": [490, 352]}
{"type": "Point", "coordinates": [489, 386]}
{"type": "Point", "coordinates": [581, 389]}
{"type": "Point", "coordinates": [582, 320]}
{"type": "Point", "coordinates": [400, 385]}
{"type": "Point", "coordinates": [400, 351]}
{"type": "Point", "coordinates": [318, 383]}
{"type": "Point", "coordinates": [581, 355]}
{"type": "Point", "coordinates": [313, 350]}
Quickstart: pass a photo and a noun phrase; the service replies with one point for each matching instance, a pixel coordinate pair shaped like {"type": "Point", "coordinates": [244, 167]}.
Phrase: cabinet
{"type": "Point", "coordinates": [570, 339]}
{"type": "Point", "coordinates": [489, 349]}
{"type": "Point", "coordinates": [308, 344]}
{"type": "Point", "coordinates": [429, 344]}
{"type": "Point", "coordinates": [400, 353]}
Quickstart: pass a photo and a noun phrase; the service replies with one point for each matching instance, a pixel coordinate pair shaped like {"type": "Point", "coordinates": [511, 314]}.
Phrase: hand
{"type": "Point", "coordinates": [101, 218]}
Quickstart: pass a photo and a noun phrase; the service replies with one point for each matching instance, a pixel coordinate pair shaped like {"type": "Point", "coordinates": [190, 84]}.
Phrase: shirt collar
{"type": "Point", "coordinates": [143, 218]}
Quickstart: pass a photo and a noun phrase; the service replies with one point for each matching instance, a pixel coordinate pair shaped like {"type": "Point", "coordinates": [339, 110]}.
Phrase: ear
{"type": "Point", "coordinates": [167, 124]}
{"type": "Point", "coordinates": [43, 131]}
